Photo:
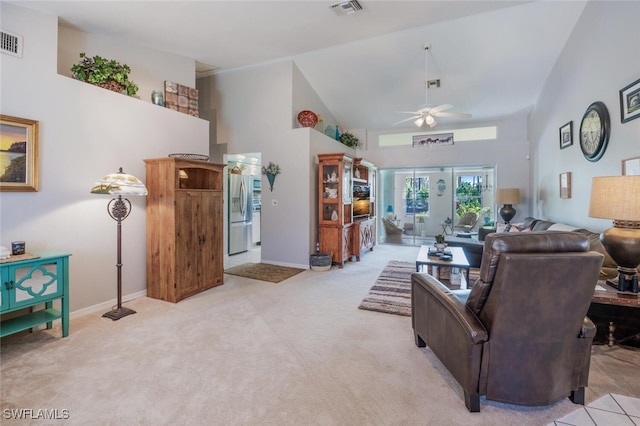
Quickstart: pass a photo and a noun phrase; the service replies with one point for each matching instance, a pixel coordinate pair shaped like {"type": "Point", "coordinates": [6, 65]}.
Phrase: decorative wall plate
{"type": "Point", "coordinates": [307, 118]}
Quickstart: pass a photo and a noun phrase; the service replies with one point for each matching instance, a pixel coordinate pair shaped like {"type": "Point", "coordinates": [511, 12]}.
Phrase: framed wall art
{"type": "Point", "coordinates": [630, 102]}
{"type": "Point", "coordinates": [565, 185]}
{"type": "Point", "coordinates": [631, 166]}
{"type": "Point", "coordinates": [566, 135]}
{"type": "Point", "coordinates": [18, 154]}
{"type": "Point", "coordinates": [430, 140]}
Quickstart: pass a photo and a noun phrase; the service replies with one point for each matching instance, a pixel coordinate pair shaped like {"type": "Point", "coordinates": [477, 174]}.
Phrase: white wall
{"type": "Point", "coordinates": [599, 59]}
{"type": "Point", "coordinates": [255, 112]}
{"type": "Point", "coordinates": [509, 153]}
{"type": "Point", "coordinates": [85, 133]}
{"type": "Point", "coordinates": [149, 68]}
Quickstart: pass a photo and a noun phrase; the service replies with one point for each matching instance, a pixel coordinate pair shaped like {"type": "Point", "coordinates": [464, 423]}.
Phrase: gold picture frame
{"type": "Point", "coordinates": [18, 154]}
{"type": "Point", "coordinates": [631, 166]}
{"type": "Point", "coordinates": [565, 185]}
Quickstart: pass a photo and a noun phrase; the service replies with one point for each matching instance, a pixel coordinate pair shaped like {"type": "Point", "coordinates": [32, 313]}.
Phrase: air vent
{"type": "Point", "coordinates": [347, 7]}
{"type": "Point", "coordinates": [10, 43]}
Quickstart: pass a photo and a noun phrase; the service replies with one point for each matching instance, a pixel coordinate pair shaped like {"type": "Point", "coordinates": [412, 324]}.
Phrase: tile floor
{"type": "Point", "coordinates": [252, 255]}
{"type": "Point", "coordinates": [609, 410]}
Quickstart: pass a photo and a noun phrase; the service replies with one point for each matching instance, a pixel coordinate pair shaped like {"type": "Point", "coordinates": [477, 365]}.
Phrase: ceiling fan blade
{"type": "Point", "coordinates": [407, 119]}
{"type": "Point", "coordinates": [439, 108]}
{"type": "Point", "coordinates": [408, 112]}
{"type": "Point", "coordinates": [453, 115]}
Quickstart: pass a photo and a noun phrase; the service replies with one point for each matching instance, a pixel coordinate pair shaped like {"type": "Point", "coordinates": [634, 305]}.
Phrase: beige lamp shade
{"type": "Point", "coordinates": [119, 184]}
{"type": "Point", "coordinates": [615, 197]}
{"type": "Point", "coordinates": [508, 196]}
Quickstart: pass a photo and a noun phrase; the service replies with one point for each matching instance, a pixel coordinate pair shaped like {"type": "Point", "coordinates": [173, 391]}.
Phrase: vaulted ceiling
{"type": "Point", "coordinates": [492, 57]}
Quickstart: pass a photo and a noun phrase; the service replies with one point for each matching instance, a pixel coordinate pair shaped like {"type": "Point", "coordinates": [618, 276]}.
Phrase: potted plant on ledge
{"type": "Point", "coordinates": [106, 73]}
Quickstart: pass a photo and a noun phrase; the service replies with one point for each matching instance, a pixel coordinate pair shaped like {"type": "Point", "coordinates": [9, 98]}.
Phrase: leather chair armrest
{"type": "Point", "coordinates": [466, 319]}
{"type": "Point", "coordinates": [588, 329]}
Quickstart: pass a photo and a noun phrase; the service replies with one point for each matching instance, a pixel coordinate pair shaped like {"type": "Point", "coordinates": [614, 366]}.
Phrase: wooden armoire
{"type": "Point", "coordinates": [184, 227]}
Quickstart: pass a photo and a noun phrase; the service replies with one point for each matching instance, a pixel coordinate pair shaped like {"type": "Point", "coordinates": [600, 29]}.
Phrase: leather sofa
{"type": "Point", "coordinates": [609, 266]}
{"type": "Point", "coordinates": [520, 335]}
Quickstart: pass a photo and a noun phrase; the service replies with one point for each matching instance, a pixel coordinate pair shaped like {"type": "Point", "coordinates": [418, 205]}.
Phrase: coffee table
{"type": "Point", "coordinates": [459, 260]}
{"type": "Point", "coordinates": [608, 302]}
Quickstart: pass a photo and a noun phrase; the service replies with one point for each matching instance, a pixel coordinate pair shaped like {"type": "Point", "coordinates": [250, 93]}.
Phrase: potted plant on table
{"type": "Point", "coordinates": [106, 73]}
{"type": "Point", "coordinates": [440, 244]}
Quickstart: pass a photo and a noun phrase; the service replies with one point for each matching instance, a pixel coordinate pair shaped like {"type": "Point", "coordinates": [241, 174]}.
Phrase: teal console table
{"type": "Point", "coordinates": [41, 278]}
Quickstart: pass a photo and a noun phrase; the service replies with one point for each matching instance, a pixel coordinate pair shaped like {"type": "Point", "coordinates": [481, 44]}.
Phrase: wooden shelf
{"type": "Point", "coordinates": [28, 321]}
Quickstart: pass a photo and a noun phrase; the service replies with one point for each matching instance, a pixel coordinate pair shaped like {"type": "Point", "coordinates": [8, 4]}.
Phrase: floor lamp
{"type": "Point", "coordinates": [507, 197]}
{"type": "Point", "coordinates": [119, 208]}
{"type": "Point", "coordinates": [618, 198]}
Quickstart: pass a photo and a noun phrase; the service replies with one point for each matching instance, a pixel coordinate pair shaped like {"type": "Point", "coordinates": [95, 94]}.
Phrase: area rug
{"type": "Point", "coordinates": [263, 272]}
{"type": "Point", "coordinates": [391, 292]}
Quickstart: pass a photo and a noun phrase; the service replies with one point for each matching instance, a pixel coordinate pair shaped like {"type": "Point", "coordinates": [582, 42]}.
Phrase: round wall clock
{"type": "Point", "coordinates": [594, 131]}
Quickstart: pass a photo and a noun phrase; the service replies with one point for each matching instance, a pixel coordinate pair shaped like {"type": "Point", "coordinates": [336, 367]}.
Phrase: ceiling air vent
{"type": "Point", "coordinates": [347, 7]}
{"type": "Point", "coordinates": [10, 43]}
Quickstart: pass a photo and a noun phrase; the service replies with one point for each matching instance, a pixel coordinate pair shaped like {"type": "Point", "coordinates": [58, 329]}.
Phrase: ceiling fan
{"type": "Point", "coordinates": [427, 114]}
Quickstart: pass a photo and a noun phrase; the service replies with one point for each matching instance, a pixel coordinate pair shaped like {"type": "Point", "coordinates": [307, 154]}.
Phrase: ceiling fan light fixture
{"type": "Point", "coordinates": [430, 121]}
{"type": "Point", "coordinates": [419, 122]}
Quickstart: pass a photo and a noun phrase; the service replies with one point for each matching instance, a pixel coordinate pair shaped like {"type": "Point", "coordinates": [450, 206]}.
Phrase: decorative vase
{"type": "Point", "coordinates": [440, 247]}
{"type": "Point", "coordinates": [334, 215]}
{"type": "Point", "coordinates": [271, 178]}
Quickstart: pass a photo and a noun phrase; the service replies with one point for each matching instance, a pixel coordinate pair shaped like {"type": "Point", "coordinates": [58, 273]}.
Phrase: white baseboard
{"type": "Point", "coordinates": [105, 306]}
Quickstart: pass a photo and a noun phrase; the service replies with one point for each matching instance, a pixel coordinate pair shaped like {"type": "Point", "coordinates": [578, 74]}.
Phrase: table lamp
{"type": "Point", "coordinates": [618, 198]}
{"type": "Point", "coordinates": [119, 208]}
{"type": "Point", "coordinates": [507, 197]}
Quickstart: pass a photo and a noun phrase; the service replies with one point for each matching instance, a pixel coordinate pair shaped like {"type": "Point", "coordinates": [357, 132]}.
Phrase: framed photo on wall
{"type": "Point", "coordinates": [566, 135]}
{"type": "Point", "coordinates": [631, 166]}
{"type": "Point", "coordinates": [630, 102]}
{"type": "Point", "coordinates": [565, 185]}
{"type": "Point", "coordinates": [18, 154]}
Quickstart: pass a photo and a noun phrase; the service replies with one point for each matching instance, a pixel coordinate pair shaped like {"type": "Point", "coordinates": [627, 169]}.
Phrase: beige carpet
{"type": "Point", "coordinates": [245, 353]}
{"type": "Point", "coordinates": [263, 272]}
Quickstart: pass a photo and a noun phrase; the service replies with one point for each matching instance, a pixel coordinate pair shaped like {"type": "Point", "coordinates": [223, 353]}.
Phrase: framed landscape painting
{"type": "Point", "coordinates": [18, 154]}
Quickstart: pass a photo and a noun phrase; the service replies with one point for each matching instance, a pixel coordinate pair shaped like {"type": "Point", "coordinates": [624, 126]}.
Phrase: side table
{"type": "Point", "coordinates": [446, 228]}
{"type": "Point", "coordinates": [615, 312]}
{"type": "Point", "coordinates": [34, 279]}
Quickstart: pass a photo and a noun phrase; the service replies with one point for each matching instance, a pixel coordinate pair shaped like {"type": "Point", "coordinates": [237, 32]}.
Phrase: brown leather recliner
{"type": "Point", "coordinates": [520, 335]}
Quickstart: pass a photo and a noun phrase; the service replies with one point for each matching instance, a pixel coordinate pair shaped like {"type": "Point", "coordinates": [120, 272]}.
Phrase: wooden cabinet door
{"type": "Point", "coordinates": [211, 263]}
{"type": "Point", "coordinates": [188, 211]}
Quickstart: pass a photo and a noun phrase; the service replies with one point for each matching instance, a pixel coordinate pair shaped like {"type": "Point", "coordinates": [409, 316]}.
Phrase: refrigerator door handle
{"type": "Point", "coordinates": [243, 201]}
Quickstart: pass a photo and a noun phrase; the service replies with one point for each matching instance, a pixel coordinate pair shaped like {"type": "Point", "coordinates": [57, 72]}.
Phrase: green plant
{"type": "Point", "coordinates": [439, 239]}
{"type": "Point", "coordinates": [100, 71]}
{"type": "Point", "coordinates": [271, 169]}
{"type": "Point", "coordinates": [349, 139]}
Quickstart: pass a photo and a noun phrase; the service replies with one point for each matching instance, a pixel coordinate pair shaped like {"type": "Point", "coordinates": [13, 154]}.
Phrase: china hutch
{"type": "Point", "coordinates": [346, 206]}
{"type": "Point", "coordinates": [184, 227]}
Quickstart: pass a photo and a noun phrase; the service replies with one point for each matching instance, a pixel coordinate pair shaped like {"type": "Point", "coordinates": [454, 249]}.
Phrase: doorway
{"type": "Point", "coordinates": [243, 193]}
{"type": "Point", "coordinates": [423, 202]}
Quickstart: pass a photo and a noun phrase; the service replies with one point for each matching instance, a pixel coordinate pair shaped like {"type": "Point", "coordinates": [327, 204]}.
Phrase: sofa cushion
{"type": "Point", "coordinates": [541, 225]}
{"type": "Point", "coordinates": [561, 227]}
{"type": "Point", "coordinates": [596, 245]}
